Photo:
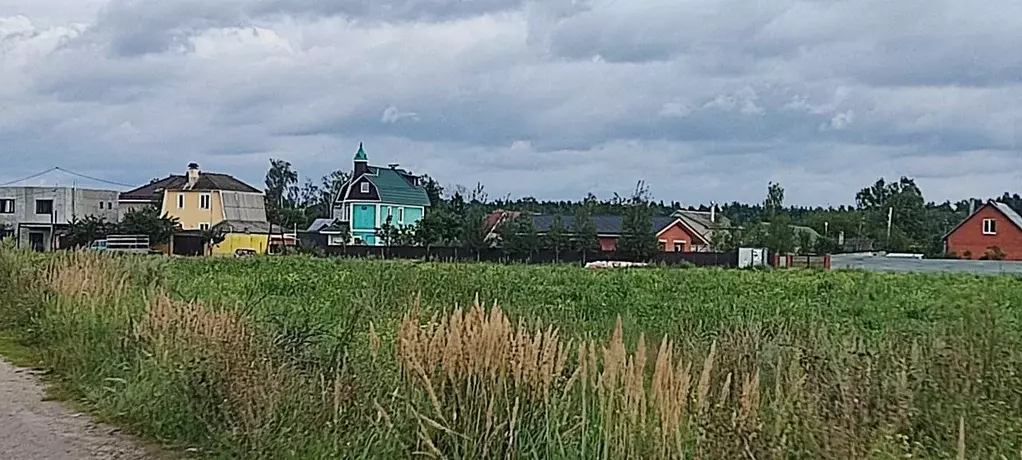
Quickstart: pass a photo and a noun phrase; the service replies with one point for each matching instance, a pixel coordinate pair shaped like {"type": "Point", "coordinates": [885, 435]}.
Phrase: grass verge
{"type": "Point", "coordinates": [303, 358]}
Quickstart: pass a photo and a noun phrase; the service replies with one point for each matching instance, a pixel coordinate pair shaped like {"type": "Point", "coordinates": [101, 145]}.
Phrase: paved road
{"type": "Point", "coordinates": [888, 264]}
{"type": "Point", "coordinates": [33, 429]}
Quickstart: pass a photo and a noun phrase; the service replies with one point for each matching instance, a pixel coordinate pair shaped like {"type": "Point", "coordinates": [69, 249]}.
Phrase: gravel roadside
{"type": "Point", "coordinates": [34, 429]}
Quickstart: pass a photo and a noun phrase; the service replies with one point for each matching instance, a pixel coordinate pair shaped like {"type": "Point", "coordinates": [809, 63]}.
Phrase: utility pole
{"type": "Point", "coordinates": [890, 221]}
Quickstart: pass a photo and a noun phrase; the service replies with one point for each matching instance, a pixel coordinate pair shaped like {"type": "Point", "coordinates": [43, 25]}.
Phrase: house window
{"type": "Point", "coordinates": [203, 226]}
{"type": "Point", "coordinates": [44, 206]}
{"type": "Point", "coordinates": [400, 215]}
{"type": "Point", "coordinates": [365, 187]}
{"type": "Point", "coordinates": [109, 204]}
{"type": "Point", "coordinates": [679, 246]}
{"type": "Point", "coordinates": [101, 204]}
{"type": "Point", "coordinates": [663, 245]}
{"type": "Point", "coordinates": [7, 206]}
{"type": "Point", "coordinates": [989, 227]}
{"type": "Point", "coordinates": [204, 201]}
{"type": "Point", "coordinates": [180, 201]}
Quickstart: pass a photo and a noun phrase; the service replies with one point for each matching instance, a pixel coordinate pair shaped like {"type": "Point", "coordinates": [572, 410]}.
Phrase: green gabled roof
{"type": "Point", "coordinates": [395, 189]}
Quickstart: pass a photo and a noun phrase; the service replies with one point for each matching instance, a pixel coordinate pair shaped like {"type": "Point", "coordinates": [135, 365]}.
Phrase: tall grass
{"type": "Point", "coordinates": [302, 358]}
{"type": "Point", "coordinates": [483, 388]}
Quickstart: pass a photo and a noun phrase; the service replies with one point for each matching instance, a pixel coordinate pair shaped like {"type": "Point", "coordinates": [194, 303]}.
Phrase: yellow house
{"type": "Point", "coordinates": [202, 201]}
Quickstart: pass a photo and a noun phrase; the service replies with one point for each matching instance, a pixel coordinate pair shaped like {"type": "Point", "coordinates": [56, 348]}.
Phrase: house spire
{"type": "Point", "coordinates": [361, 162]}
{"type": "Point", "coordinates": [361, 154]}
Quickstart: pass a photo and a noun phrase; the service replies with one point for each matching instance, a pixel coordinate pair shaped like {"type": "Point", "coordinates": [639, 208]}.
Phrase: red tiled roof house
{"type": "Point", "coordinates": [994, 231]}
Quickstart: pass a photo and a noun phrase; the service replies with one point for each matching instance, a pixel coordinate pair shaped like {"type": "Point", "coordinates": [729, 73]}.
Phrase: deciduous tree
{"type": "Point", "coordinates": [556, 237]}
{"type": "Point", "coordinates": [83, 231]}
{"type": "Point", "coordinates": [638, 240]}
{"type": "Point", "coordinates": [147, 220]}
{"type": "Point", "coordinates": [584, 237]}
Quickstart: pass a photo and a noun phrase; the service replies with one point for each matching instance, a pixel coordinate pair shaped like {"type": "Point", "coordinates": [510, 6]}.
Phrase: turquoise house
{"type": "Point", "coordinates": [375, 194]}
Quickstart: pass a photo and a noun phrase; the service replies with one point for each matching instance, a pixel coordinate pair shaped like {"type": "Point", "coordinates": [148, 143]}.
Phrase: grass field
{"type": "Point", "coordinates": [310, 358]}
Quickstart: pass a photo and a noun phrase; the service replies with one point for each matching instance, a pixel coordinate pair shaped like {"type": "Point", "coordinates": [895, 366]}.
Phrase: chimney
{"type": "Point", "coordinates": [972, 206]}
{"type": "Point", "coordinates": [193, 174]}
{"type": "Point", "coordinates": [713, 212]}
{"type": "Point", "coordinates": [361, 162]}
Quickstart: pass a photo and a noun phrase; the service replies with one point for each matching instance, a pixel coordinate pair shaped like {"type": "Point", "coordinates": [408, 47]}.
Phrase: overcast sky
{"type": "Point", "coordinates": [703, 99]}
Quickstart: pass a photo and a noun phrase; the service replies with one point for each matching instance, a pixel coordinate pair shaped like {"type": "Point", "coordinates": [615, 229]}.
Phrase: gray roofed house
{"type": "Point", "coordinates": [705, 223]}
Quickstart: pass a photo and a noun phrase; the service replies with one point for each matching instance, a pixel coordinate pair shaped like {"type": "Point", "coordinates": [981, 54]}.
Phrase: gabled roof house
{"type": "Point", "coordinates": [993, 231]}
{"type": "Point", "coordinates": [375, 195]}
{"type": "Point", "coordinates": [673, 233]}
{"type": "Point", "coordinates": [201, 200]}
{"type": "Point", "coordinates": [705, 224]}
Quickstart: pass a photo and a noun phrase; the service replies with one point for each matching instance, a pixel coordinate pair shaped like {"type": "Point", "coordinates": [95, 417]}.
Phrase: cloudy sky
{"type": "Point", "coordinates": [703, 99]}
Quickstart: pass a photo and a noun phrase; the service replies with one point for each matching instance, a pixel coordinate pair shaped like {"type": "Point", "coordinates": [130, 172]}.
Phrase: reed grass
{"type": "Point", "coordinates": [300, 358]}
{"type": "Point", "coordinates": [480, 387]}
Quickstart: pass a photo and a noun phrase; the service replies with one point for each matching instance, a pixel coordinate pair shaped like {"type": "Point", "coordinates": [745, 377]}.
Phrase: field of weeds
{"type": "Point", "coordinates": [304, 358]}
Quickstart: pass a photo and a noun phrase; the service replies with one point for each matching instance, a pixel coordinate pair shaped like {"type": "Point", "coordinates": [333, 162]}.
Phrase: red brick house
{"type": "Point", "coordinates": [994, 231]}
{"type": "Point", "coordinates": [672, 233]}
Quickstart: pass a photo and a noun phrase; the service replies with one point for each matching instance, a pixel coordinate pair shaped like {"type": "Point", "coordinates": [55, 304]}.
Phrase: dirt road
{"type": "Point", "coordinates": [33, 429]}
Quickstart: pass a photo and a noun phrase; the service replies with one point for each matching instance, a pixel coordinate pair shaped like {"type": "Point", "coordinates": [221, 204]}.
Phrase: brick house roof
{"type": "Point", "coordinates": [1003, 208]}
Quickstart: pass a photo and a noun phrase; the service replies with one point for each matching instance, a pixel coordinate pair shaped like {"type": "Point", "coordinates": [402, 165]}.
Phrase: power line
{"type": "Point", "coordinates": [58, 168]}
{"type": "Point", "coordinates": [29, 177]}
{"type": "Point", "coordinates": [94, 178]}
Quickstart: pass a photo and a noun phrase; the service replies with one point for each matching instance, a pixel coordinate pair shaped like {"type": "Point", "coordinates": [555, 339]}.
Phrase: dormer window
{"type": "Point", "coordinates": [365, 187]}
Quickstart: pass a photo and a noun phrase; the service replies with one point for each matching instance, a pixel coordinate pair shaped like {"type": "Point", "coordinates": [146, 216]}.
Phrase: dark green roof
{"type": "Point", "coordinates": [394, 188]}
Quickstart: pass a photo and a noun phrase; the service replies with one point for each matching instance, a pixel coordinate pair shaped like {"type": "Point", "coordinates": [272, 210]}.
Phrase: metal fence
{"type": "Point", "coordinates": [890, 264]}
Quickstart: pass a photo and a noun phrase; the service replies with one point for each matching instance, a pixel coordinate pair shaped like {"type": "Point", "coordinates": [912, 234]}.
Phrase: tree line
{"type": "Point", "coordinates": [890, 215]}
